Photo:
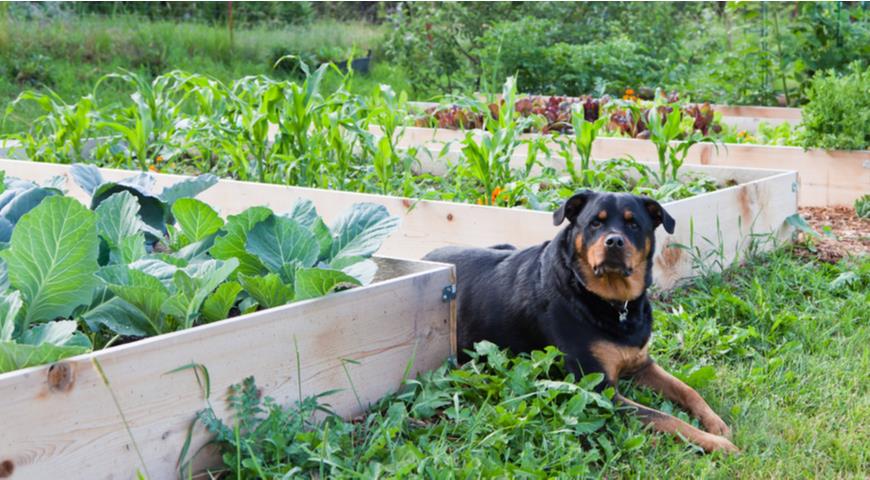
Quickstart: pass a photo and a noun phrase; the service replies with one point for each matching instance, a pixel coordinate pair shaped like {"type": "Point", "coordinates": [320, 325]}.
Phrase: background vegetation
{"type": "Point", "coordinates": [752, 53]}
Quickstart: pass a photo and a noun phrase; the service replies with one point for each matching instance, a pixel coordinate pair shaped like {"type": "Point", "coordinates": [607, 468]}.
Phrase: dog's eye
{"type": "Point", "coordinates": [633, 225]}
{"type": "Point", "coordinates": [595, 224]}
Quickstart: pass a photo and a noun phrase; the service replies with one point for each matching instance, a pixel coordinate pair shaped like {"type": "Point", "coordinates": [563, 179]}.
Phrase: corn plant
{"type": "Point", "coordinates": [584, 136]}
{"type": "Point", "coordinates": [487, 160]}
{"type": "Point", "coordinates": [672, 144]}
{"type": "Point", "coordinates": [148, 126]}
{"type": "Point", "coordinates": [585, 133]}
{"type": "Point", "coordinates": [60, 134]}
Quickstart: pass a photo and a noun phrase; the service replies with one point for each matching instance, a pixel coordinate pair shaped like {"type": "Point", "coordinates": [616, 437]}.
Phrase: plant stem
{"type": "Point", "coordinates": [781, 60]}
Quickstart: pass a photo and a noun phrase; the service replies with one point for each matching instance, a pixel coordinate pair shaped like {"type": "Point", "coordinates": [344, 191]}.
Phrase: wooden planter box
{"type": "Point", "coordinates": [827, 177]}
{"type": "Point", "coordinates": [748, 117]}
{"type": "Point", "coordinates": [727, 221]}
{"type": "Point", "coordinates": [62, 421]}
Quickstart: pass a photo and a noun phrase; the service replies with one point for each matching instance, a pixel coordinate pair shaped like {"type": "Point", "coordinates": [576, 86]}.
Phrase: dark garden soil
{"type": "Point", "coordinates": [841, 233]}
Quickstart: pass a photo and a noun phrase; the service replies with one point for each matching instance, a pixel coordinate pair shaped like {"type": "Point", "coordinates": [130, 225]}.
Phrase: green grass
{"type": "Point", "coordinates": [68, 55]}
{"type": "Point", "coordinates": [789, 339]}
{"type": "Point", "coordinates": [779, 348]}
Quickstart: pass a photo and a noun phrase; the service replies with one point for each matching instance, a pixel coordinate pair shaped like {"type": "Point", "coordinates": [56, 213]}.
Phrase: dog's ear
{"type": "Point", "coordinates": [572, 207]}
{"type": "Point", "coordinates": [659, 215]}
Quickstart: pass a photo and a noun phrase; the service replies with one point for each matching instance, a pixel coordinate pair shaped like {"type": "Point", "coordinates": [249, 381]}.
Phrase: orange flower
{"type": "Point", "coordinates": [496, 193]}
{"type": "Point", "coordinates": [159, 159]}
{"type": "Point", "coordinates": [152, 168]}
{"type": "Point", "coordinates": [629, 92]}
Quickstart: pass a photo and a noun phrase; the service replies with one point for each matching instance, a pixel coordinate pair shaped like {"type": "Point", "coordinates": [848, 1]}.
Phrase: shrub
{"type": "Point", "coordinates": [837, 115]}
{"type": "Point", "coordinates": [535, 51]}
{"type": "Point", "coordinates": [435, 43]}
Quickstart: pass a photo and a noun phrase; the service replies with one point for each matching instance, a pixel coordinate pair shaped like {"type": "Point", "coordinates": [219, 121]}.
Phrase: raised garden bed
{"type": "Point", "coordinates": [748, 117]}
{"type": "Point", "coordinates": [827, 177]}
{"type": "Point", "coordinates": [715, 227]}
{"type": "Point", "coordinates": [129, 408]}
{"type": "Point", "coordinates": [63, 421]}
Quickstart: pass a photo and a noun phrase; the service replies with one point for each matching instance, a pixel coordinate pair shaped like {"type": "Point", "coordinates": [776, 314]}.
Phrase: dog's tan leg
{"type": "Point", "coordinates": [656, 378]}
{"type": "Point", "coordinates": [663, 422]}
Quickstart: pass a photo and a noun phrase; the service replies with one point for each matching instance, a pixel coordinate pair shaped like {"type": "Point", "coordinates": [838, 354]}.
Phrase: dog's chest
{"type": "Point", "coordinates": [619, 360]}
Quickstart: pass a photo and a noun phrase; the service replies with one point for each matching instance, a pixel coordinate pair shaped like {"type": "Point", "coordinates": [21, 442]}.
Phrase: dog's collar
{"type": "Point", "coordinates": [620, 307]}
{"type": "Point", "coordinates": [621, 310]}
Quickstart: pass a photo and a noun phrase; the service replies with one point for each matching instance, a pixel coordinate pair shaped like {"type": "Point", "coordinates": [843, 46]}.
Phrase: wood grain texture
{"type": "Point", "coordinates": [759, 204]}
{"type": "Point", "coordinates": [78, 432]}
{"type": "Point", "coordinates": [754, 111]}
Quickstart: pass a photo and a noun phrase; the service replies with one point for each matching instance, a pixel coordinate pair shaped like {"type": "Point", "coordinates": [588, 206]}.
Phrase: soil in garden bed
{"type": "Point", "coordinates": [841, 233]}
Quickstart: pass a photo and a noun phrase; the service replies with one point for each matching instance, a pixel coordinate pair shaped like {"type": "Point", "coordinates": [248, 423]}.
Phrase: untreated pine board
{"type": "Point", "coordinates": [750, 117]}
{"type": "Point", "coordinates": [759, 112]}
{"type": "Point", "coordinates": [761, 202]}
{"type": "Point", "coordinates": [61, 421]}
{"type": "Point", "coordinates": [827, 177]}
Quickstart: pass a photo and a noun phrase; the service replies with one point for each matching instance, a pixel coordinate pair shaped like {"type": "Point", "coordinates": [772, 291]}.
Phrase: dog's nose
{"type": "Point", "coordinates": [614, 241]}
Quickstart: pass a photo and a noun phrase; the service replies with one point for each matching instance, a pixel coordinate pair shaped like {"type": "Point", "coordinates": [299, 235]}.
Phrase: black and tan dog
{"type": "Point", "coordinates": [585, 293]}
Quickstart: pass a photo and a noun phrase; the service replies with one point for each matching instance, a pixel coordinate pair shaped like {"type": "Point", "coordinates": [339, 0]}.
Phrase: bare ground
{"type": "Point", "coordinates": [841, 233]}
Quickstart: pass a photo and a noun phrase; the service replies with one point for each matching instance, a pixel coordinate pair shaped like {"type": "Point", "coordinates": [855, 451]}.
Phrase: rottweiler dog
{"type": "Point", "coordinates": [585, 293]}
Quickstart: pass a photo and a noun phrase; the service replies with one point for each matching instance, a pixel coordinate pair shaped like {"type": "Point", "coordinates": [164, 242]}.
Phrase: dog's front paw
{"type": "Point", "coordinates": [715, 425]}
{"type": "Point", "coordinates": [712, 443]}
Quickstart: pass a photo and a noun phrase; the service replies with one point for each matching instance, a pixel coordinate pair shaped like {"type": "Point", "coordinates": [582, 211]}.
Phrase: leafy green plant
{"type": "Point", "coordinates": [585, 133]}
{"type": "Point", "coordinates": [45, 343]}
{"type": "Point", "coordinates": [60, 134]}
{"type": "Point", "coordinates": [862, 206]}
{"type": "Point", "coordinates": [837, 114]}
{"type": "Point", "coordinates": [487, 160]}
{"type": "Point", "coordinates": [139, 263]}
{"type": "Point", "coordinates": [299, 134]}
{"type": "Point", "coordinates": [672, 144]}
{"type": "Point", "coordinates": [147, 125]}
{"type": "Point", "coordinates": [471, 420]}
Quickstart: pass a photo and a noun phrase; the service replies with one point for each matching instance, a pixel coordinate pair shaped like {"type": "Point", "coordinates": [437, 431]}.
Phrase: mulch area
{"type": "Point", "coordinates": [841, 233]}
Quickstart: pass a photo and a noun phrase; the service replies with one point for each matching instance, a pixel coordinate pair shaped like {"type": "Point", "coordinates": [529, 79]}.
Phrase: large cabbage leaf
{"type": "Point", "coordinates": [52, 259]}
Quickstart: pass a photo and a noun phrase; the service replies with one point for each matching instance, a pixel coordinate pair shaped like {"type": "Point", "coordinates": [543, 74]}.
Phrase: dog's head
{"type": "Point", "coordinates": [613, 238]}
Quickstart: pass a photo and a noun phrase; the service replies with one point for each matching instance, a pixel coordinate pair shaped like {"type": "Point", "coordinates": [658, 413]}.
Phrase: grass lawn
{"type": "Point", "coordinates": [779, 348]}
{"type": "Point", "coordinates": [69, 55]}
